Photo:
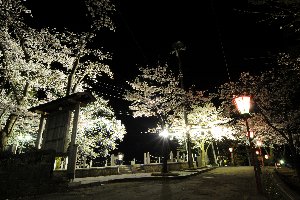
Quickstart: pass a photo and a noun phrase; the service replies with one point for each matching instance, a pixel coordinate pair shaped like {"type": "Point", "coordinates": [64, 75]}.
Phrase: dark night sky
{"type": "Point", "coordinates": [148, 29]}
{"type": "Point", "coordinates": [145, 33]}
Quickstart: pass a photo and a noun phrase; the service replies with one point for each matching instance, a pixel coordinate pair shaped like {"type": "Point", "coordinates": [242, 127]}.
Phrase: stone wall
{"type": "Point", "coordinates": [89, 172]}
{"type": "Point", "coordinates": [157, 167]}
{"type": "Point", "coordinates": [27, 174]}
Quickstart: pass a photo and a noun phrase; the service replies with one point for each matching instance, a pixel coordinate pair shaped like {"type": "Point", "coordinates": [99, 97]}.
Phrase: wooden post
{"type": "Point", "coordinates": [40, 132]}
{"type": "Point", "coordinates": [73, 148]}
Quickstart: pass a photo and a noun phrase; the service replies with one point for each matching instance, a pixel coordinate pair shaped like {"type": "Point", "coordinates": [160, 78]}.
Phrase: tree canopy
{"type": "Point", "coordinates": [40, 65]}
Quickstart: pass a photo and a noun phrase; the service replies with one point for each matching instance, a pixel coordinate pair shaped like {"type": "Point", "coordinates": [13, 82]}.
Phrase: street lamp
{"type": "Point", "coordinates": [165, 134]}
{"type": "Point", "coordinates": [231, 155]}
{"type": "Point", "coordinates": [243, 105]}
{"type": "Point", "coordinates": [250, 134]}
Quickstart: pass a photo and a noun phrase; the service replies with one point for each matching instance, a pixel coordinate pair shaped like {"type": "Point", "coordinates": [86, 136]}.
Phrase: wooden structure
{"type": "Point", "coordinates": [55, 133]}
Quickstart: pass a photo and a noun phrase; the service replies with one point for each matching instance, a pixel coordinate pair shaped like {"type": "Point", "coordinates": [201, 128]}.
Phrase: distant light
{"type": "Point", "coordinates": [243, 104]}
{"type": "Point", "coordinates": [257, 152]}
{"type": "Point", "coordinates": [281, 161]}
{"type": "Point", "coordinates": [259, 143]}
{"type": "Point", "coordinates": [120, 156]}
{"type": "Point", "coordinates": [266, 156]}
{"type": "Point", "coordinates": [164, 133]}
{"type": "Point", "coordinates": [230, 149]}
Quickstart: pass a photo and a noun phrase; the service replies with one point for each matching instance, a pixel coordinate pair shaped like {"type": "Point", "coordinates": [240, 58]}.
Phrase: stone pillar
{"type": "Point", "coordinates": [133, 162]}
{"type": "Point", "coordinates": [112, 160]}
{"type": "Point", "coordinates": [171, 156]}
{"type": "Point", "coordinates": [148, 158]}
{"type": "Point", "coordinates": [84, 162]}
{"type": "Point", "coordinates": [177, 156]}
{"type": "Point", "coordinates": [145, 158]}
{"type": "Point", "coordinates": [159, 160]}
{"type": "Point", "coordinates": [183, 157]}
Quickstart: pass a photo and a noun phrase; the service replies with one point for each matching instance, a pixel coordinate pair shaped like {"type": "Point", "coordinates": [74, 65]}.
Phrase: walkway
{"type": "Point", "coordinates": [230, 183]}
{"type": "Point", "coordinates": [99, 180]}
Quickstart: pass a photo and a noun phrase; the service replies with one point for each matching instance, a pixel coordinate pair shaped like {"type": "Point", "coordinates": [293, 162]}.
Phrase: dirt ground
{"type": "Point", "coordinates": [236, 183]}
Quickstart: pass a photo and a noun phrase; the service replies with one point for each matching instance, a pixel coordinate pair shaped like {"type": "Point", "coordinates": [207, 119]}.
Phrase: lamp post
{"type": "Point", "coordinates": [231, 155]}
{"type": "Point", "coordinates": [243, 105]}
{"type": "Point", "coordinates": [165, 134]}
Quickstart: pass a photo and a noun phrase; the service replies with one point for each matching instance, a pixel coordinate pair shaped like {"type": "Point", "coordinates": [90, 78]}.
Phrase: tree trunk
{"type": "Point", "coordinates": [203, 155]}
{"type": "Point", "coordinates": [214, 152]}
{"type": "Point", "coordinates": [7, 130]}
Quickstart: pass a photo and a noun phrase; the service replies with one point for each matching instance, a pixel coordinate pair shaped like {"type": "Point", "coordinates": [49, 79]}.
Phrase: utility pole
{"type": "Point", "coordinates": [179, 46]}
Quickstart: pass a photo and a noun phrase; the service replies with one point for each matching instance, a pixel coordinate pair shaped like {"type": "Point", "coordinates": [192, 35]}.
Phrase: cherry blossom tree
{"type": "Point", "coordinates": [206, 125]}
{"type": "Point", "coordinates": [275, 113]}
{"type": "Point", "coordinates": [99, 130]}
{"type": "Point", "coordinates": [39, 65]}
{"type": "Point", "coordinates": [24, 66]}
{"type": "Point", "coordinates": [156, 93]}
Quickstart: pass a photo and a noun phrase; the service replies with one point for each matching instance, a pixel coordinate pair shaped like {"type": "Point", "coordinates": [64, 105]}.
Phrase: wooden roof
{"type": "Point", "coordinates": [65, 103]}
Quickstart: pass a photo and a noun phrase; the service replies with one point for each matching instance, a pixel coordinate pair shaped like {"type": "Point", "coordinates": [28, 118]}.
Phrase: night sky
{"type": "Point", "coordinates": [217, 38]}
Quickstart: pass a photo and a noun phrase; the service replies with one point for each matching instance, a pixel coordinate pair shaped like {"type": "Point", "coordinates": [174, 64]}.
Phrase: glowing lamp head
{"type": "Point", "coordinates": [250, 134]}
{"type": "Point", "coordinates": [230, 149]}
{"type": "Point", "coordinates": [164, 133]}
{"type": "Point", "coordinates": [257, 152]}
{"type": "Point", "coordinates": [266, 156]}
{"type": "Point", "coordinates": [243, 104]}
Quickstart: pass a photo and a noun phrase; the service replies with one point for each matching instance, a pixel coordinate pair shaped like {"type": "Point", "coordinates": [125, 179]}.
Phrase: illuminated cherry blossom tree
{"type": "Point", "coordinates": [275, 111]}
{"type": "Point", "coordinates": [156, 93]}
{"type": "Point", "coordinates": [38, 66]}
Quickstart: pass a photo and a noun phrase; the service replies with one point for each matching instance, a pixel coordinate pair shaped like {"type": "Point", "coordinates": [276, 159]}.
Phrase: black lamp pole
{"type": "Point", "coordinates": [165, 154]}
{"type": "Point", "coordinates": [256, 166]}
{"type": "Point", "coordinates": [243, 105]}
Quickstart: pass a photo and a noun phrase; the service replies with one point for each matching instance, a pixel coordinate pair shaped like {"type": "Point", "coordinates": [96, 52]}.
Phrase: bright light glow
{"type": "Point", "coordinates": [164, 133]}
{"type": "Point", "coordinates": [120, 156]}
{"type": "Point", "coordinates": [230, 149]}
{"type": "Point", "coordinates": [251, 134]}
{"type": "Point", "coordinates": [281, 161]}
{"type": "Point", "coordinates": [257, 152]}
{"type": "Point", "coordinates": [243, 104]}
{"type": "Point", "coordinates": [259, 143]}
{"type": "Point", "coordinates": [266, 156]}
